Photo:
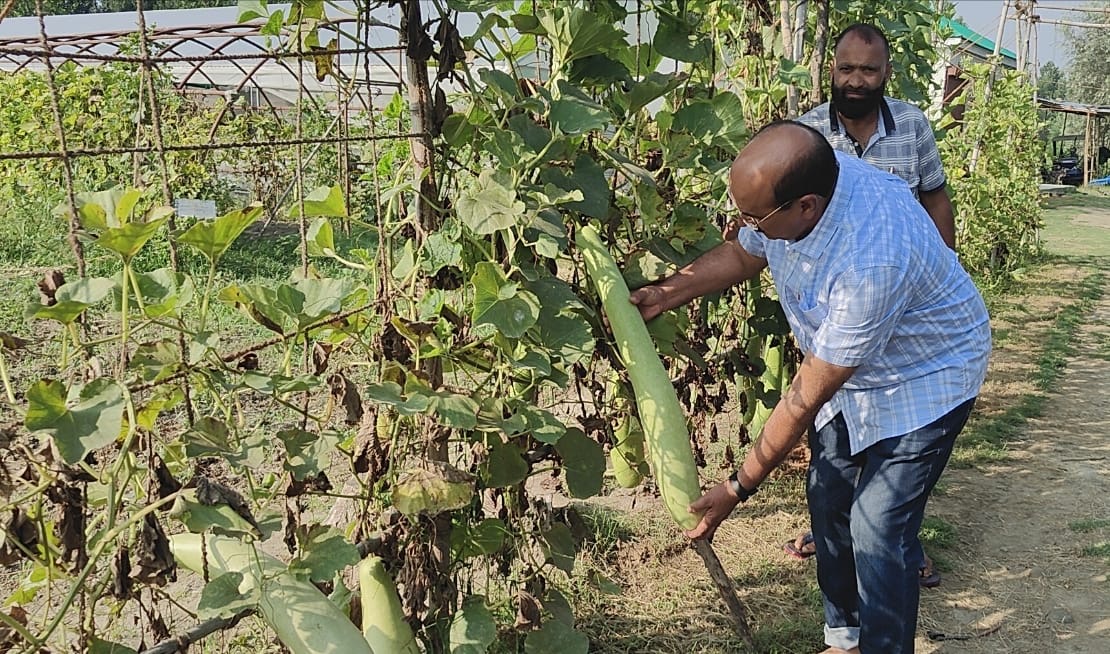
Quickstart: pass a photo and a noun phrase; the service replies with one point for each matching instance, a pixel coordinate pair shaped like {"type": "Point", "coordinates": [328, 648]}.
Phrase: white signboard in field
{"type": "Point", "coordinates": [193, 208]}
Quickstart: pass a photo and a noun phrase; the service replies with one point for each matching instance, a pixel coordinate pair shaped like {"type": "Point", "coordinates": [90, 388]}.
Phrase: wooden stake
{"type": "Point", "coordinates": [727, 589]}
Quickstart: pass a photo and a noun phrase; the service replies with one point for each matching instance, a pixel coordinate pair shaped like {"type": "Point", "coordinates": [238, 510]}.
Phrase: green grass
{"type": "Point", "coordinates": [1101, 550]}
{"type": "Point", "coordinates": [985, 439]}
{"type": "Point", "coordinates": [1088, 525]}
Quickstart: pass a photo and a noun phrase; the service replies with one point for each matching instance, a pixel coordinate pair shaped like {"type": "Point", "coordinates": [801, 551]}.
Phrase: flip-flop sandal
{"type": "Point", "coordinates": [803, 553]}
{"type": "Point", "coordinates": [928, 578]}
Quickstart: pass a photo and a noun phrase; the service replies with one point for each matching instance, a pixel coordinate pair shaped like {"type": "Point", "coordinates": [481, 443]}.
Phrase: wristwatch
{"type": "Point", "coordinates": [738, 488]}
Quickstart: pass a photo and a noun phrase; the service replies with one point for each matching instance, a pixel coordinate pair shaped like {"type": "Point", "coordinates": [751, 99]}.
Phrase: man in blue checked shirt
{"type": "Point", "coordinates": [896, 338]}
{"type": "Point", "coordinates": [891, 135]}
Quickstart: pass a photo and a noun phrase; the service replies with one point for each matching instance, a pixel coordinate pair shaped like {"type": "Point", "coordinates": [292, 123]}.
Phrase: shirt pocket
{"type": "Point", "coordinates": [811, 310]}
{"type": "Point", "coordinates": [908, 174]}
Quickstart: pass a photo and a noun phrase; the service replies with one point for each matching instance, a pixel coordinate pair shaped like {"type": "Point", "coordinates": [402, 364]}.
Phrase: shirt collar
{"type": "Point", "coordinates": [817, 240]}
{"type": "Point", "coordinates": [884, 111]}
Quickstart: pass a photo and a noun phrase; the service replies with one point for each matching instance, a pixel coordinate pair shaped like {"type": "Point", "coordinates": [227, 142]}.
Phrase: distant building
{"type": "Point", "coordinates": [964, 46]}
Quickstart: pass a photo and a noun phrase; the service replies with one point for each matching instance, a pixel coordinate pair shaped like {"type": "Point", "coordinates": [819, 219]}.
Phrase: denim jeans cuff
{"type": "Point", "coordinates": [842, 637]}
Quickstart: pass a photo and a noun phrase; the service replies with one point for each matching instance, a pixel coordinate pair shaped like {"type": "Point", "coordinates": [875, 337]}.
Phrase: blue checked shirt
{"type": "Point", "coordinates": [903, 142]}
{"type": "Point", "coordinates": [874, 286]}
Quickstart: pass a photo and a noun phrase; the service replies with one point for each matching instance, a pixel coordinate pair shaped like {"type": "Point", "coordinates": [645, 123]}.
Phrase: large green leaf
{"type": "Point", "coordinates": [588, 177]}
{"type": "Point", "coordinates": [323, 551]}
{"type": "Point", "coordinates": [97, 210]}
{"type": "Point", "coordinates": [575, 113]}
{"type": "Point", "coordinates": [324, 201]}
{"type": "Point", "coordinates": [504, 467]}
{"type": "Point", "coordinates": [472, 628]}
{"type": "Point", "coordinates": [390, 393]}
{"type": "Point", "coordinates": [486, 537]}
{"type": "Point", "coordinates": [214, 237]}
{"type": "Point", "coordinates": [72, 299]}
{"type": "Point", "coordinates": [221, 597]}
{"type": "Point", "coordinates": [128, 239]}
{"type": "Point", "coordinates": [98, 646]}
{"type": "Point", "coordinates": [575, 33]}
{"type": "Point", "coordinates": [489, 204]}
{"type": "Point", "coordinates": [679, 39]}
{"type": "Point", "coordinates": [307, 453]}
{"type": "Point", "coordinates": [556, 637]}
{"type": "Point", "coordinates": [432, 491]}
{"type": "Point", "coordinates": [199, 517]}
{"type": "Point", "coordinates": [157, 360]}
{"type": "Point", "coordinates": [543, 425]}
{"type": "Point", "coordinates": [501, 303]}
{"type": "Point", "coordinates": [451, 409]}
{"type": "Point", "coordinates": [164, 291]}
{"type": "Point", "coordinates": [560, 546]}
{"type": "Point", "coordinates": [85, 418]}
{"type": "Point", "coordinates": [652, 87]}
{"type": "Point", "coordinates": [719, 122]}
{"type": "Point", "coordinates": [583, 463]}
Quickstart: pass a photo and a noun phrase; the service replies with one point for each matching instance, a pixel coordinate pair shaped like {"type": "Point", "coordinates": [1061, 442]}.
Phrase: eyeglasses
{"type": "Point", "coordinates": [754, 221]}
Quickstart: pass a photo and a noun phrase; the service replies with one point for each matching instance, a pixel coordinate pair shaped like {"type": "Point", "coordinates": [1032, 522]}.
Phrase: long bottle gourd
{"type": "Point", "coordinates": [661, 416]}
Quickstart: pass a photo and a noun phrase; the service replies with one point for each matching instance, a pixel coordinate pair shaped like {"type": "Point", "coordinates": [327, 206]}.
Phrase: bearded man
{"type": "Point", "coordinates": [892, 135]}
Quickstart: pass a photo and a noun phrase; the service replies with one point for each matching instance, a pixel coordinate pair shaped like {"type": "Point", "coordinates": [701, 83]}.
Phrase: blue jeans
{"type": "Point", "coordinates": [866, 511]}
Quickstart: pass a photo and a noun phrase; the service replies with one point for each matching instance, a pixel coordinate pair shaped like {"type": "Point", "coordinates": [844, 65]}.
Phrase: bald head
{"type": "Point", "coordinates": [788, 158]}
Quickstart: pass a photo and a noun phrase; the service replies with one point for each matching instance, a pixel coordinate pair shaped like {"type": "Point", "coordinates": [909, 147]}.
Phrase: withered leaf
{"type": "Point", "coordinates": [167, 485]}
{"type": "Point", "coordinates": [71, 525]}
{"type": "Point", "coordinates": [345, 394]}
{"type": "Point", "coordinates": [121, 573]}
{"type": "Point", "coordinates": [20, 535]}
{"type": "Point", "coordinates": [154, 557]}
{"type": "Point", "coordinates": [527, 612]}
{"type": "Point", "coordinates": [321, 354]}
{"type": "Point", "coordinates": [213, 492]}
{"type": "Point", "coordinates": [49, 285]}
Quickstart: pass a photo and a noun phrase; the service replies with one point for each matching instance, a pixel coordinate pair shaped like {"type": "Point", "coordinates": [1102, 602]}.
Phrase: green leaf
{"type": "Point", "coordinates": [98, 646]}
{"type": "Point", "coordinates": [207, 437]}
{"type": "Point", "coordinates": [430, 492]}
{"type": "Point", "coordinates": [583, 463]}
{"type": "Point", "coordinates": [794, 73]}
{"type": "Point", "coordinates": [251, 9]}
{"type": "Point", "coordinates": [599, 69]}
{"type": "Point", "coordinates": [156, 361]}
{"type": "Point", "coordinates": [164, 291]}
{"type": "Point", "coordinates": [320, 238]}
{"type": "Point", "coordinates": [576, 33]}
{"type": "Point", "coordinates": [652, 87]}
{"type": "Point", "coordinates": [543, 425]}
{"type": "Point", "coordinates": [324, 201]}
{"type": "Point", "coordinates": [221, 598]}
{"type": "Point", "coordinates": [588, 177]}
{"type": "Point", "coordinates": [439, 251]}
{"type": "Point", "coordinates": [213, 238]}
{"type": "Point", "coordinates": [556, 637]}
{"type": "Point", "coordinates": [678, 39]}
{"type": "Point", "coordinates": [489, 204]}
{"type": "Point", "coordinates": [97, 210]}
{"type": "Point", "coordinates": [575, 113]}
{"type": "Point", "coordinates": [452, 409]}
{"type": "Point", "coordinates": [390, 393]}
{"type": "Point", "coordinates": [500, 303]}
{"type": "Point", "coordinates": [307, 453]}
{"type": "Point", "coordinates": [128, 239]}
{"type": "Point", "coordinates": [560, 546]}
{"type": "Point", "coordinates": [72, 299]}
{"type": "Point", "coordinates": [221, 518]}
{"type": "Point", "coordinates": [472, 628]}
{"type": "Point", "coordinates": [82, 420]}
{"type": "Point", "coordinates": [322, 553]}
{"type": "Point", "coordinates": [486, 537]}
{"type": "Point", "coordinates": [504, 467]}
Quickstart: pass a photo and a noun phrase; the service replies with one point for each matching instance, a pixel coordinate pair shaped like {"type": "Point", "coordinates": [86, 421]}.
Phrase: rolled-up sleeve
{"type": "Point", "coordinates": [865, 306]}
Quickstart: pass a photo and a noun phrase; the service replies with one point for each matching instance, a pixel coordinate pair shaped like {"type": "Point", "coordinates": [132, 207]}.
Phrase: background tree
{"type": "Point", "coordinates": [1051, 82]}
{"type": "Point", "coordinates": [1090, 67]}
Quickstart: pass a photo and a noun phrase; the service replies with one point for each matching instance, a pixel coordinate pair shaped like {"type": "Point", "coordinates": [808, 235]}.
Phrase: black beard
{"type": "Point", "coordinates": [856, 108]}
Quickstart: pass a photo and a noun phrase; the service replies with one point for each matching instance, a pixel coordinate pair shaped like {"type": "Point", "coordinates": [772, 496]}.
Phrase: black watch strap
{"type": "Point", "coordinates": [738, 488]}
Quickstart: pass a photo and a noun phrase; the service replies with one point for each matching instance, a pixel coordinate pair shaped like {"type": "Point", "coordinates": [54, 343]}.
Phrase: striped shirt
{"type": "Point", "coordinates": [874, 286]}
{"type": "Point", "coordinates": [903, 142]}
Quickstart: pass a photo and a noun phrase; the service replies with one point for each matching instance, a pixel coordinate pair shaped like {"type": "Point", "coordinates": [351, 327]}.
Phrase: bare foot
{"type": "Point", "coordinates": [837, 650]}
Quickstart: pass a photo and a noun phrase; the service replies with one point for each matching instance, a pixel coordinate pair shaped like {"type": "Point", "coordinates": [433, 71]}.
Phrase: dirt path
{"type": "Point", "coordinates": [1018, 569]}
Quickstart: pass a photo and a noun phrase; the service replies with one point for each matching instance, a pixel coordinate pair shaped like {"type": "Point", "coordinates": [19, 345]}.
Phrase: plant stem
{"type": "Point", "coordinates": [207, 293]}
{"type": "Point", "coordinates": [7, 382]}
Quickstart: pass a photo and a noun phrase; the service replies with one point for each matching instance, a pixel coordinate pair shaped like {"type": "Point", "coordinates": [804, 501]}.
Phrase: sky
{"type": "Point", "coordinates": [1052, 44]}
